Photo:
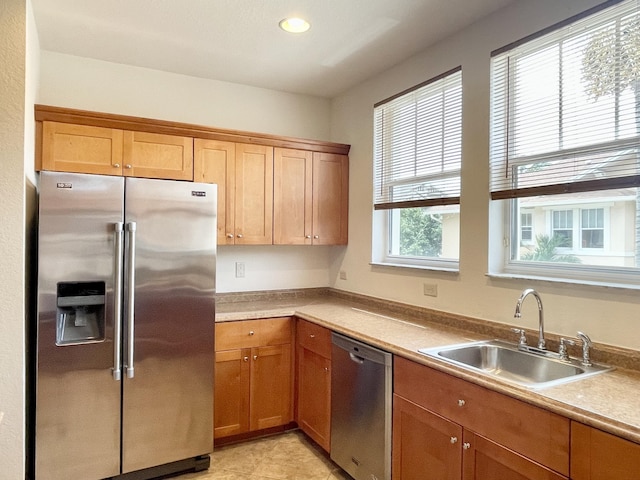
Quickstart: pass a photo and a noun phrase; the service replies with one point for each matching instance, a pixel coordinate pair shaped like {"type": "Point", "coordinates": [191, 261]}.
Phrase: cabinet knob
{"type": "Point", "coordinates": [316, 236]}
{"type": "Point", "coordinates": [461, 403]}
{"type": "Point", "coordinates": [251, 333]}
{"type": "Point", "coordinates": [453, 439]}
{"type": "Point", "coordinates": [239, 235]}
{"type": "Point", "coordinates": [255, 357]}
{"type": "Point", "coordinates": [229, 235]}
{"type": "Point", "coordinates": [311, 335]}
{"type": "Point", "coordinates": [116, 165]}
{"type": "Point", "coordinates": [466, 445]}
{"type": "Point", "coordinates": [246, 359]}
{"type": "Point", "coordinates": [326, 369]}
{"type": "Point", "coordinates": [307, 236]}
{"type": "Point", "coordinates": [128, 165]}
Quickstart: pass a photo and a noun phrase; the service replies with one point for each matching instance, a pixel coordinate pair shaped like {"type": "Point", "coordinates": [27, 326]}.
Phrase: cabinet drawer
{"type": "Point", "coordinates": [315, 338]}
{"type": "Point", "coordinates": [534, 432]}
{"type": "Point", "coordinates": [253, 333]}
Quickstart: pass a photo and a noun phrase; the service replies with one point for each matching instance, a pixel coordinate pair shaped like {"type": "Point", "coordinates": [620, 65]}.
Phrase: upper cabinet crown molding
{"type": "Point", "coordinates": [140, 124]}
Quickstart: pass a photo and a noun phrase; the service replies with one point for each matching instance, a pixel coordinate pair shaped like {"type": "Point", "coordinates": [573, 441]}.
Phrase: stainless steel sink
{"type": "Point", "coordinates": [505, 361]}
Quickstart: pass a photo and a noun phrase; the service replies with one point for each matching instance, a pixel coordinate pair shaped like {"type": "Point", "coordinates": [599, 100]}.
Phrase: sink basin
{"type": "Point", "coordinates": [505, 361]}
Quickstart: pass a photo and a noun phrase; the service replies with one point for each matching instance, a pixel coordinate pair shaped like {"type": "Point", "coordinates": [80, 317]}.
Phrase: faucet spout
{"type": "Point", "coordinates": [542, 344]}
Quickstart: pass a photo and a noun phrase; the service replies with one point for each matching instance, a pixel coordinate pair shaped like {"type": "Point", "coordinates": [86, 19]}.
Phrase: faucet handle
{"type": "Point", "coordinates": [586, 345]}
{"type": "Point", "coordinates": [562, 351]}
{"type": "Point", "coordinates": [522, 340]}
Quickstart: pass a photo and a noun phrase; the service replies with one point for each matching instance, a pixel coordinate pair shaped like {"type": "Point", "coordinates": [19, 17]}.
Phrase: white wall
{"type": "Point", "coordinates": [87, 84]}
{"type": "Point", "coordinates": [608, 315]}
{"type": "Point", "coordinates": [18, 83]}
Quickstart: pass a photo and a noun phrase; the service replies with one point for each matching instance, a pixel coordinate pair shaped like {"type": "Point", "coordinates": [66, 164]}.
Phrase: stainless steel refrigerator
{"type": "Point", "coordinates": [125, 325]}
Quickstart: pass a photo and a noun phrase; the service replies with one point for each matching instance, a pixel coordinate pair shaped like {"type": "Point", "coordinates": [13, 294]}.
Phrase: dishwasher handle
{"type": "Point", "coordinates": [355, 358]}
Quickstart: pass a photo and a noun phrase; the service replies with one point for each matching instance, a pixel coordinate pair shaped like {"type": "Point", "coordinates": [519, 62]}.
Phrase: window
{"type": "Point", "coordinates": [417, 155]}
{"type": "Point", "coordinates": [592, 228]}
{"type": "Point", "coordinates": [562, 227]}
{"type": "Point", "coordinates": [526, 228]}
{"type": "Point", "coordinates": [565, 155]}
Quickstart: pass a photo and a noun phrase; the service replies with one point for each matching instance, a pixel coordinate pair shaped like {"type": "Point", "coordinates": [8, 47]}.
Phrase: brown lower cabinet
{"type": "Point", "coordinates": [596, 455]}
{"type": "Point", "coordinates": [253, 376]}
{"type": "Point", "coordinates": [446, 428]}
{"type": "Point", "coordinates": [314, 382]}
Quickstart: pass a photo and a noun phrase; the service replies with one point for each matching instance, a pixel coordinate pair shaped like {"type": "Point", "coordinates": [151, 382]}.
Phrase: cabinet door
{"type": "Point", "coordinates": [215, 162]}
{"type": "Point", "coordinates": [81, 149]}
{"type": "Point", "coordinates": [314, 396]}
{"type": "Point", "coordinates": [153, 155]}
{"type": "Point", "coordinates": [254, 195]}
{"type": "Point", "coordinates": [486, 460]}
{"type": "Point", "coordinates": [425, 446]}
{"type": "Point", "coordinates": [596, 455]}
{"type": "Point", "coordinates": [292, 197]}
{"type": "Point", "coordinates": [231, 392]}
{"type": "Point", "coordinates": [330, 198]}
{"type": "Point", "coordinates": [270, 387]}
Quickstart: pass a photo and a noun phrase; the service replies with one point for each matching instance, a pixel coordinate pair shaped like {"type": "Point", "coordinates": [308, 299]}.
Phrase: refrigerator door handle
{"type": "Point", "coordinates": [117, 302]}
{"type": "Point", "coordinates": [131, 283]}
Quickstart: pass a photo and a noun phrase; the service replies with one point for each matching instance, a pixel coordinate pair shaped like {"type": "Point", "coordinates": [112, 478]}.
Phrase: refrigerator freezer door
{"type": "Point", "coordinates": [77, 423]}
{"type": "Point", "coordinates": [168, 390]}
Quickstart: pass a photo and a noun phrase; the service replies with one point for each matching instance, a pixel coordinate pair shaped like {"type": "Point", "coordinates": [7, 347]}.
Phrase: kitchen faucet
{"type": "Point", "coordinates": [517, 314]}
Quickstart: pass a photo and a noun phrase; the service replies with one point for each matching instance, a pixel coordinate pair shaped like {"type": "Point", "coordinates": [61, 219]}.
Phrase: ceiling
{"type": "Point", "coordinates": [239, 40]}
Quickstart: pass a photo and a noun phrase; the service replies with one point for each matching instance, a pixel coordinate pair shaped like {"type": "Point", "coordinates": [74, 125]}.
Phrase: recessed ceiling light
{"type": "Point", "coordinates": [294, 25]}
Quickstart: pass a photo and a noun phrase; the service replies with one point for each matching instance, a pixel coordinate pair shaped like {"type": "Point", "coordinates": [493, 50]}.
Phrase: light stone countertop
{"type": "Point", "coordinates": [607, 401]}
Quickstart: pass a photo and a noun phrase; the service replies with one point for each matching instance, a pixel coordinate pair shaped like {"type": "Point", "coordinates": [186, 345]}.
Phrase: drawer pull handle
{"type": "Point", "coordinates": [461, 403]}
{"type": "Point", "coordinates": [251, 333]}
{"type": "Point", "coordinates": [246, 359]}
{"type": "Point", "coordinates": [466, 445]}
{"type": "Point", "coordinates": [454, 440]}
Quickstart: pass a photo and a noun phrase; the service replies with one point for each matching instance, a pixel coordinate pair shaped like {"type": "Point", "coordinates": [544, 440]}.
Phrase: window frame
{"type": "Point", "coordinates": [385, 219]}
{"type": "Point", "coordinates": [505, 213]}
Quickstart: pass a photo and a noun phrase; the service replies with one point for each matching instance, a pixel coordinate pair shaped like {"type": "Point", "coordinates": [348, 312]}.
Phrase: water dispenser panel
{"type": "Point", "coordinates": [80, 316]}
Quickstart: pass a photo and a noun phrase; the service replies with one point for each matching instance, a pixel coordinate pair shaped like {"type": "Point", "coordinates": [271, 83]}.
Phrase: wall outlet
{"type": "Point", "coordinates": [430, 289]}
{"type": "Point", "coordinates": [343, 275]}
{"type": "Point", "coordinates": [239, 269]}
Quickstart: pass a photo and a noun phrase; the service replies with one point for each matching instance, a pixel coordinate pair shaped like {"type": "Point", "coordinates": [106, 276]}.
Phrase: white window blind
{"type": "Point", "coordinates": [417, 145]}
{"type": "Point", "coordinates": [565, 106]}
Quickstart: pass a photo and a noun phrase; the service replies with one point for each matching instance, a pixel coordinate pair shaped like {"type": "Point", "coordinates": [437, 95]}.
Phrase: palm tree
{"type": "Point", "coordinates": [545, 250]}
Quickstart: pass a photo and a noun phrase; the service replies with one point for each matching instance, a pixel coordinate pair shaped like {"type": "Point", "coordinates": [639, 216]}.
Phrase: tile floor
{"type": "Point", "coordinates": [288, 456]}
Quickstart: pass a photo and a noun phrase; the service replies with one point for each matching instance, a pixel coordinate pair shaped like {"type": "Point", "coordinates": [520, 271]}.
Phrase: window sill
{"type": "Point", "coordinates": [432, 268]}
{"type": "Point", "coordinates": [566, 281]}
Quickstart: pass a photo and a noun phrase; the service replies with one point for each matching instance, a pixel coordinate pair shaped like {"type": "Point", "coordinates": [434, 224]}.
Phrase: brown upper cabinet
{"type": "Point", "coordinates": [244, 175]}
{"type": "Point", "coordinates": [310, 198]}
{"type": "Point", "coordinates": [109, 151]}
{"type": "Point", "coordinates": [271, 189]}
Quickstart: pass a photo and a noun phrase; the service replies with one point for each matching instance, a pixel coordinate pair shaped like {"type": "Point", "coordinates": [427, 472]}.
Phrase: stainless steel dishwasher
{"type": "Point", "coordinates": [361, 395]}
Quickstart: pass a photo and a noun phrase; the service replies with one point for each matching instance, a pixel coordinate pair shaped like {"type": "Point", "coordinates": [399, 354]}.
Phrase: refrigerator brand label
{"type": "Point", "coordinates": [197, 193]}
{"type": "Point", "coordinates": [64, 185]}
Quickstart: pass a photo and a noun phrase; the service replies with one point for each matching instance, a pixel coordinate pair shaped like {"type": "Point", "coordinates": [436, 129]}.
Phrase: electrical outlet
{"type": "Point", "coordinates": [343, 275]}
{"type": "Point", "coordinates": [430, 289]}
{"type": "Point", "coordinates": [239, 269]}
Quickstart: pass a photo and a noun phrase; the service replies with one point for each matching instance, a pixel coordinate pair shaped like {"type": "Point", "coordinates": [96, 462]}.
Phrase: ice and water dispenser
{"type": "Point", "coordinates": [80, 314]}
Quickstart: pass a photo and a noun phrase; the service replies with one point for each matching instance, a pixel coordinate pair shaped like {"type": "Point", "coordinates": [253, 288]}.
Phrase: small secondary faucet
{"type": "Point", "coordinates": [517, 314]}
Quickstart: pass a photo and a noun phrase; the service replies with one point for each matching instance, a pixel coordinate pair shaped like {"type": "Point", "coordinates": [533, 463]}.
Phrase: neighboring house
{"type": "Point", "coordinates": [597, 227]}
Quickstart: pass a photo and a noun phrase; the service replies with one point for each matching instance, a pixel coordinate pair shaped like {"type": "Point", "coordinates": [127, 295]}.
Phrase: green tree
{"type": "Point", "coordinates": [545, 250]}
{"type": "Point", "coordinates": [420, 233]}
